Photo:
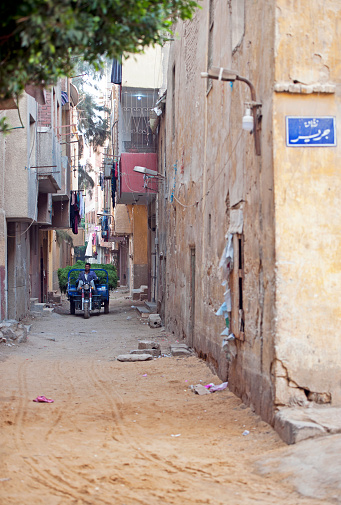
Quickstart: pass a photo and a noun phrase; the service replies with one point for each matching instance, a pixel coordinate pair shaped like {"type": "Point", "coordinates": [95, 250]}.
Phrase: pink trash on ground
{"type": "Point", "coordinates": [43, 399]}
{"type": "Point", "coordinates": [212, 388]}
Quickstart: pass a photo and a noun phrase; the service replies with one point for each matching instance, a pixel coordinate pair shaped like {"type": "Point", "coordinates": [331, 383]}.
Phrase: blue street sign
{"type": "Point", "coordinates": [304, 131]}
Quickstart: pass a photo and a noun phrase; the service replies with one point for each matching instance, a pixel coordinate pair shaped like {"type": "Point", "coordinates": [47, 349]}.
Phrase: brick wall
{"type": "Point", "coordinates": [45, 112]}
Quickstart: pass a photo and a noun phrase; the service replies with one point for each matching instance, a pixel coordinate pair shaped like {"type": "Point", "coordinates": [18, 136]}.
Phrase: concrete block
{"type": "Point", "coordinates": [199, 389]}
{"type": "Point", "coordinates": [134, 357]}
{"type": "Point", "coordinates": [143, 312]}
{"type": "Point", "coordinates": [148, 344]}
{"type": "Point", "coordinates": [293, 431]}
{"type": "Point", "coordinates": [296, 424]}
{"type": "Point", "coordinates": [154, 352]}
{"type": "Point", "coordinates": [154, 321]}
{"type": "Point", "coordinates": [38, 307]}
{"type": "Point", "coordinates": [178, 351]}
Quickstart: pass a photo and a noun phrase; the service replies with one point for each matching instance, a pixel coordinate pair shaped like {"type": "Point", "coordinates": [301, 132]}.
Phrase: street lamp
{"type": "Point", "coordinates": [225, 74]}
{"type": "Point", "coordinates": [148, 172]}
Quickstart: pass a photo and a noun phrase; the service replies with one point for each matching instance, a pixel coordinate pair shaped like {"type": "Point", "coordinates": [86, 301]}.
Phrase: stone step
{"type": "Point", "coordinates": [38, 306]}
{"type": "Point", "coordinates": [151, 306]}
{"type": "Point", "coordinates": [143, 311]}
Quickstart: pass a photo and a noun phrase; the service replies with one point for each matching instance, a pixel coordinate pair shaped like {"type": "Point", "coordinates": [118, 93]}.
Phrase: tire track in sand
{"type": "Point", "coordinates": [43, 476]}
{"type": "Point", "coordinates": [67, 418]}
{"type": "Point", "coordinates": [99, 378]}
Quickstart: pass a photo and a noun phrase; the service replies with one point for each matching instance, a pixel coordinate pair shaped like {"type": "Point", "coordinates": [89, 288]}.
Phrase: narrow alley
{"type": "Point", "coordinates": [134, 433]}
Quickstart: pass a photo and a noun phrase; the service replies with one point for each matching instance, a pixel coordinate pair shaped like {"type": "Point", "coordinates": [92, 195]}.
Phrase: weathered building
{"type": "Point", "coordinates": [271, 196]}
{"type": "Point", "coordinates": [34, 194]}
{"type": "Point", "coordinates": [135, 90]}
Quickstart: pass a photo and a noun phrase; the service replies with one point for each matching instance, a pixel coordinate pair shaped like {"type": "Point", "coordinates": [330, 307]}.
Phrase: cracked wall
{"type": "Point", "coordinates": [307, 207]}
{"type": "Point", "coordinates": [213, 176]}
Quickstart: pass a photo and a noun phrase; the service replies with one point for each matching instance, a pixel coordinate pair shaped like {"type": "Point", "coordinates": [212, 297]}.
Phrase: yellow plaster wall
{"type": "Point", "coordinates": [307, 41]}
{"type": "Point", "coordinates": [308, 201]}
{"type": "Point", "coordinates": [123, 219]}
{"type": "Point", "coordinates": [140, 228]}
{"type": "Point", "coordinates": [143, 70]}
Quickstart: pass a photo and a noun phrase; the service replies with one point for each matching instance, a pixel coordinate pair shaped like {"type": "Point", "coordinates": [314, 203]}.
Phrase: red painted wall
{"type": "Point", "coordinates": [132, 181]}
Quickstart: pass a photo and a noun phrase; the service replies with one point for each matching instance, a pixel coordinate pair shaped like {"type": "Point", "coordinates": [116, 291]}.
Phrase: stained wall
{"type": "Point", "coordinates": [212, 172]}
{"type": "Point", "coordinates": [307, 206]}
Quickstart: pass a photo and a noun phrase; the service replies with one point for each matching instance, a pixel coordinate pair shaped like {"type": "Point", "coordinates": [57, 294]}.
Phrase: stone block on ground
{"type": "Point", "coordinates": [296, 424]}
{"type": "Point", "coordinates": [38, 307]}
{"type": "Point", "coordinates": [154, 321]}
{"type": "Point", "coordinates": [134, 357]}
{"type": "Point", "coordinates": [12, 330]}
{"type": "Point", "coordinates": [151, 306]}
{"type": "Point", "coordinates": [154, 352]}
{"type": "Point", "coordinates": [143, 312]}
{"type": "Point", "coordinates": [8, 333]}
{"type": "Point", "coordinates": [199, 389]}
{"type": "Point", "coordinates": [180, 350]}
{"type": "Point", "coordinates": [148, 344]}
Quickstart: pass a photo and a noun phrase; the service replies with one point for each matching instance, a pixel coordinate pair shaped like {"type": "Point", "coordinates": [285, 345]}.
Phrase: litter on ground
{"type": "Point", "coordinates": [43, 399]}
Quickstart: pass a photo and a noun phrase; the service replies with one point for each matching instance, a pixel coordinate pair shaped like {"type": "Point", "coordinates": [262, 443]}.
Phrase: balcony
{"type": "Point", "coordinates": [133, 187]}
{"type": "Point", "coordinates": [64, 191]}
{"type": "Point", "coordinates": [49, 167]}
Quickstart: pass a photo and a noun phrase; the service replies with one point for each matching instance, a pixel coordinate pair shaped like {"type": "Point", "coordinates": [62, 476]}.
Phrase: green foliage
{"type": "Point", "coordinates": [42, 39]}
{"type": "Point", "coordinates": [94, 126]}
{"type": "Point", "coordinates": [85, 181]}
{"type": "Point", "coordinates": [63, 275]}
{"type": "Point", "coordinates": [4, 126]}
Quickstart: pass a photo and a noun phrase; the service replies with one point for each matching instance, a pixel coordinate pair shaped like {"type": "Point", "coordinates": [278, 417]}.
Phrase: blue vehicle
{"type": "Point", "coordinates": [86, 298]}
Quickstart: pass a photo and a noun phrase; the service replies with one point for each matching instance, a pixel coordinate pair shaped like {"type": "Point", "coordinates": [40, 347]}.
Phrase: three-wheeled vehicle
{"type": "Point", "coordinates": [87, 299]}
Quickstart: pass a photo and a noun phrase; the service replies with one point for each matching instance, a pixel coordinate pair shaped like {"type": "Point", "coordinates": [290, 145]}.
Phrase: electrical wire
{"type": "Point", "coordinates": [23, 233]}
{"type": "Point", "coordinates": [215, 180]}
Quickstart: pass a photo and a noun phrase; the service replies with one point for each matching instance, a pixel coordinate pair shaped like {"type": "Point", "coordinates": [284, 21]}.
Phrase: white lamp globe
{"type": "Point", "coordinates": [247, 122]}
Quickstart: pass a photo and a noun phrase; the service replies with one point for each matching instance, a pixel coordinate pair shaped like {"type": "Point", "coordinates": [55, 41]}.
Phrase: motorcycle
{"type": "Point", "coordinates": [87, 299]}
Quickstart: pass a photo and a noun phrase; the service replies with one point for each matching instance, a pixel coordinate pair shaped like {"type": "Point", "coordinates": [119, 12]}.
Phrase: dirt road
{"type": "Point", "coordinates": [125, 433]}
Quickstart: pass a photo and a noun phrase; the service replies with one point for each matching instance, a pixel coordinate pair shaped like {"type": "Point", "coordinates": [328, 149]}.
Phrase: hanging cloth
{"type": "Point", "coordinates": [116, 72]}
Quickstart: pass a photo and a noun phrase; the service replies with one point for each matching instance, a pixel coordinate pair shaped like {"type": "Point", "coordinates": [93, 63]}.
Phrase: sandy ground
{"type": "Point", "coordinates": [127, 433]}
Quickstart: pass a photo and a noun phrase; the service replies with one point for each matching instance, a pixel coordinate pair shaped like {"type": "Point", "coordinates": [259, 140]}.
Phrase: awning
{"type": "Point", "coordinates": [74, 97]}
